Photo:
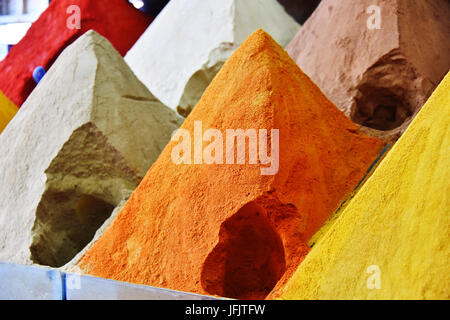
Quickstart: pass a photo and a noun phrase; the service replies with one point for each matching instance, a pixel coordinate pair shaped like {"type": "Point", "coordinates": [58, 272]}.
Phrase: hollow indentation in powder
{"type": "Point", "coordinates": [65, 224]}
{"type": "Point", "coordinates": [380, 108]}
{"type": "Point", "coordinates": [195, 87]}
{"type": "Point", "coordinates": [249, 258]}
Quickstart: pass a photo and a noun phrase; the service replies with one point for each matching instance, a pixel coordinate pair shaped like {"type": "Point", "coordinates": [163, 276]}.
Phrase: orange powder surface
{"type": "Point", "coordinates": [227, 230]}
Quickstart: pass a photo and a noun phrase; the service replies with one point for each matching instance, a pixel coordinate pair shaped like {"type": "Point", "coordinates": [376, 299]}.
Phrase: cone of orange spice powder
{"type": "Point", "coordinates": [226, 229]}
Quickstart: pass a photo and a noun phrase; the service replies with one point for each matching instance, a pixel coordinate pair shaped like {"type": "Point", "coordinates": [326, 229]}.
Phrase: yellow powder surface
{"type": "Point", "coordinates": [7, 111]}
{"type": "Point", "coordinates": [392, 240]}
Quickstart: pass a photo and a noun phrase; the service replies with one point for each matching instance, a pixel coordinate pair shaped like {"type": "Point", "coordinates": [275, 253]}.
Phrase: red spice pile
{"type": "Point", "coordinates": [117, 20]}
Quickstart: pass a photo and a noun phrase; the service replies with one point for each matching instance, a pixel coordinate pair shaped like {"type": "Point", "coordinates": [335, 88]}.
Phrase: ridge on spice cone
{"type": "Point", "coordinates": [117, 20]}
{"type": "Point", "coordinates": [79, 146]}
{"type": "Point", "coordinates": [7, 111]}
{"type": "Point", "coordinates": [380, 77]}
{"type": "Point", "coordinates": [396, 227]}
{"type": "Point", "coordinates": [225, 229]}
{"type": "Point", "coordinates": [190, 52]}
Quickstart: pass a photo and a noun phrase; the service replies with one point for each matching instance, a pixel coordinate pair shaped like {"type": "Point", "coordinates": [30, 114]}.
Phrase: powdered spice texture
{"type": "Point", "coordinates": [116, 20]}
{"type": "Point", "coordinates": [379, 77]}
{"type": "Point", "coordinates": [391, 242]}
{"type": "Point", "coordinates": [7, 111]}
{"type": "Point", "coordinates": [227, 230]}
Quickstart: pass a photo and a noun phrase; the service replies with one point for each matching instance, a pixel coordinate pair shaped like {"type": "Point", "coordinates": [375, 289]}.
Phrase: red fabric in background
{"type": "Point", "coordinates": [117, 20]}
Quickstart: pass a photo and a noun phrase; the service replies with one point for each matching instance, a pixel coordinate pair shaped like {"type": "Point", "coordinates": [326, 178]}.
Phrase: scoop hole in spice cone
{"type": "Point", "coordinates": [380, 109]}
{"type": "Point", "coordinates": [65, 224]}
{"type": "Point", "coordinates": [249, 259]}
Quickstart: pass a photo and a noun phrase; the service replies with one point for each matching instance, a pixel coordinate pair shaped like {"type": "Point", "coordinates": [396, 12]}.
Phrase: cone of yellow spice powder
{"type": "Point", "coordinates": [7, 111]}
{"type": "Point", "coordinates": [391, 242]}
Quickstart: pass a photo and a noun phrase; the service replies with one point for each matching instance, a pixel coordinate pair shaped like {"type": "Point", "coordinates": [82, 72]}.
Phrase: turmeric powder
{"type": "Point", "coordinates": [391, 241]}
{"type": "Point", "coordinates": [7, 111]}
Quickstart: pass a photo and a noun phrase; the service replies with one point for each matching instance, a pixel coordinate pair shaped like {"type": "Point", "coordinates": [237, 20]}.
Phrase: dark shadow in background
{"type": "Point", "coordinates": [299, 9]}
{"type": "Point", "coordinates": [153, 7]}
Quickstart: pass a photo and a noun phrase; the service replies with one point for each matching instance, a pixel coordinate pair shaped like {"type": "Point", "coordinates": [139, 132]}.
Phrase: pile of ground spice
{"type": "Point", "coordinates": [116, 20]}
{"type": "Point", "coordinates": [106, 131]}
{"type": "Point", "coordinates": [190, 52]}
{"type": "Point", "coordinates": [383, 65]}
{"type": "Point", "coordinates": [225, 229]}
{"type": "Point", "coordinates": [7, 111]}
{"type": "Point", "coordinates": [391, 242]}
